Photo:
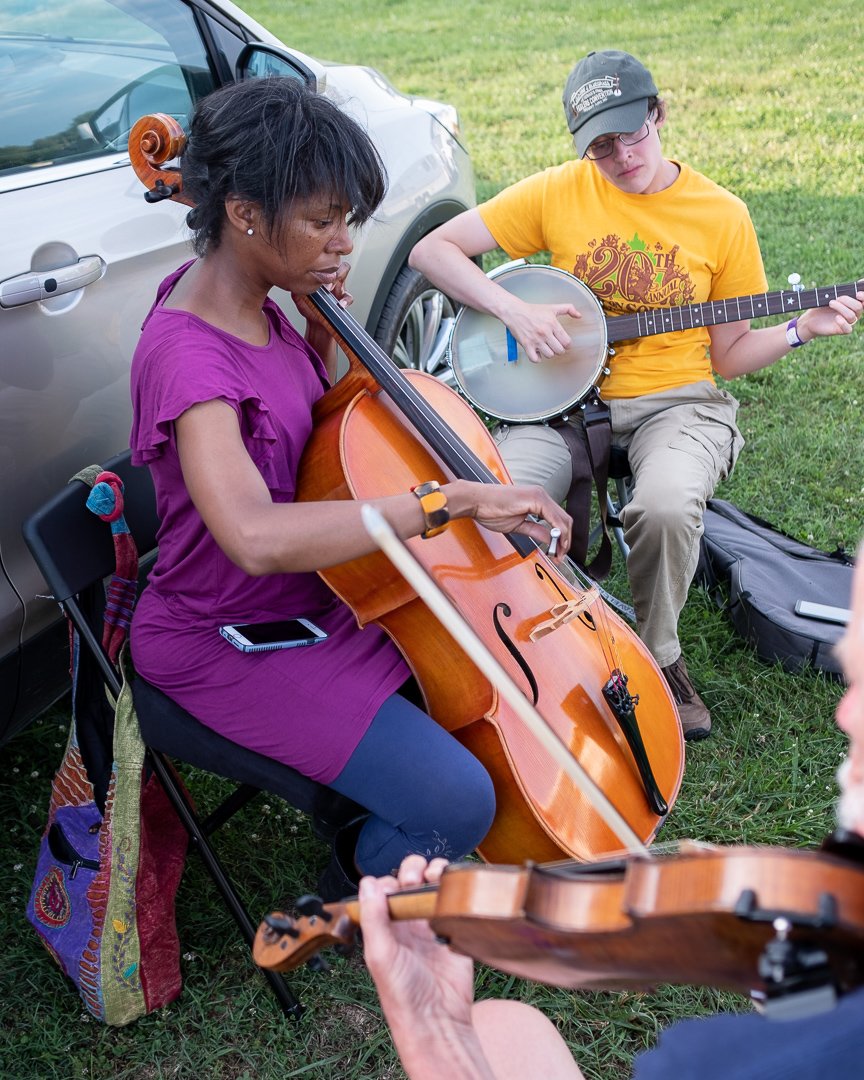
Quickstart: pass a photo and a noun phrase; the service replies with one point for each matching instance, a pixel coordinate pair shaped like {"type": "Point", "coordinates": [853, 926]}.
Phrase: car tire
{"type": "Point", "coordinates": [415, 325]}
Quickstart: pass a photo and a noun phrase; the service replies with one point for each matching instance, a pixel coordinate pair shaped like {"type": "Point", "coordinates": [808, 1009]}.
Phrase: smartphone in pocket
{"type": "Point", "coordinates": [267, 636]}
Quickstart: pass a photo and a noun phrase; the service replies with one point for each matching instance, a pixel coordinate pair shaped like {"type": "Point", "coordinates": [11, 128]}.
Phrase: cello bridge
{"type": "Point", "coordinates": [559, 614]}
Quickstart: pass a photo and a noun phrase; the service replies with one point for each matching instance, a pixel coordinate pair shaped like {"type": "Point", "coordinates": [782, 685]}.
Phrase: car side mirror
{"type": "Point", "coordinates": [257, 60]}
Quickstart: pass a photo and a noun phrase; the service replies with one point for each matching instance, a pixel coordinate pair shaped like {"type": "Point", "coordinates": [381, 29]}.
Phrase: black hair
{"type": "Point", "coordinates": [272, 141]}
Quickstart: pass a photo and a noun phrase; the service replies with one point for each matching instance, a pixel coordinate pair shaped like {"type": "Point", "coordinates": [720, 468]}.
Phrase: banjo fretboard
{"type": "Point", "coordinates": [666, 320]}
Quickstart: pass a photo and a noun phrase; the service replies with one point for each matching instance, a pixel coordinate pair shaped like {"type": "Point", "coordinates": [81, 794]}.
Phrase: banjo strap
{"type": "Point", "coordinates": [589, 454]}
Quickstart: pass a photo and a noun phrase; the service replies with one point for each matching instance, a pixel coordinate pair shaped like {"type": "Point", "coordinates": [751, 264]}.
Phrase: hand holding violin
{"type": "Point", "coordinates": [426, 989]}
{"type": "Point", "coordinates": [427, 993]}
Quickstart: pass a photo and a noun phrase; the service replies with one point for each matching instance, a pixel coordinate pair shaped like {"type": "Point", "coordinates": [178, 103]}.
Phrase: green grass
{"type": "Point", "coordinates": [766, 99]}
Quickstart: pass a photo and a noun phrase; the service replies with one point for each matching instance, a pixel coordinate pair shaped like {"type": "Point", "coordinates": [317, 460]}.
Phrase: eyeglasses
{"type": "Point", "coordinates": [603, 148]}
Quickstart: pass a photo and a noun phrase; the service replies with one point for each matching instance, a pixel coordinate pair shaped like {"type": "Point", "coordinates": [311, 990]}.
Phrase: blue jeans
{"type": "Point", "coordinates": [425, 792]}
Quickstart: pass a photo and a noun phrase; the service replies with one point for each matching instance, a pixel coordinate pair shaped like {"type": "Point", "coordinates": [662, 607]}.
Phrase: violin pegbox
{"type": "Point", "coordinates": [284, 943]}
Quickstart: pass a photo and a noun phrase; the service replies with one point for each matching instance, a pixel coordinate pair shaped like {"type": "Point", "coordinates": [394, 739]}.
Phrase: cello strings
{"type": "Point", "coordinates": [606, 637]}
{"type": "Point", "coordinates": [457, 455]}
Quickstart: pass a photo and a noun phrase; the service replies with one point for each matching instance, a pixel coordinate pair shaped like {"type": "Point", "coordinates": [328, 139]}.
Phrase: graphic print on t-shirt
{"type": "Point", "coordinates": [630, 275]}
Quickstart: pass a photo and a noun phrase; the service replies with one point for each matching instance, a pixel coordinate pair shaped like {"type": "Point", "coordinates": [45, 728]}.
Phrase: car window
{"type": "Point", "coordinates": [75, 78]}
{"type": "Point", "coordinates": [228, 39]}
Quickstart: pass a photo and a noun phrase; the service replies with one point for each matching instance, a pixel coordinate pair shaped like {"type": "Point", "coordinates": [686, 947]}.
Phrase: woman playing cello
{"type": "Point", "coordinates": [223, 389]}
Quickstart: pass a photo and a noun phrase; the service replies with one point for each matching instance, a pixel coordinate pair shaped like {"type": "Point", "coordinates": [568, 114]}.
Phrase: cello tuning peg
{"type": "Point", "coordinates": [795, 281]}
{"type": "Point", "coordinates": [161, 191]}
{"type": "Point", "coordinates": [317, 963]}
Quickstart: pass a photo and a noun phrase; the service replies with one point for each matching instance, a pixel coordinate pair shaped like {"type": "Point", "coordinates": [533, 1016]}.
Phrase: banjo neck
{"type": "Point", "coordinates": [690, 316]}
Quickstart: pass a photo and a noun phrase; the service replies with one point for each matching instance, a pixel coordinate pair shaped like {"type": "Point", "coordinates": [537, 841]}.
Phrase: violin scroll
{"type": "Point", "coordinates": [283, 943]}
{"type": "Point", "coordinates": [154, 140]}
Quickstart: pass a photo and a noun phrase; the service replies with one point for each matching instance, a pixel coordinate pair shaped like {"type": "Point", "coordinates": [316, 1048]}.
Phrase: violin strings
{"type": "Point", "coordinates": [658, 850]}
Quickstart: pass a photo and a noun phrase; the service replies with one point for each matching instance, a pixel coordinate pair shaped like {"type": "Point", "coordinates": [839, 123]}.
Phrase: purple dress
{"type": "Point", "coordinates": [306, 707]}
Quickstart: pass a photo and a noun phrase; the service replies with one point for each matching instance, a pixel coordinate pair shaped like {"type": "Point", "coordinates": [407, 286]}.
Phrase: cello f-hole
{"type": "Point", "coordinates": [514, 652]}
{"type": "Point", "coordinates": [544, 576]}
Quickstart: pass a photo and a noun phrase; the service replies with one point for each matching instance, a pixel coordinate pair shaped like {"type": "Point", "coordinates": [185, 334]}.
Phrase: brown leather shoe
{"type": "Point", "coordinates": [692, 710]}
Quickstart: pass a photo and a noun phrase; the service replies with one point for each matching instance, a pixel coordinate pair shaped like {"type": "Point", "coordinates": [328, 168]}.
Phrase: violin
{"type": "Point", "coordinates": [380, 431]}
{"type": "Point", "coordinates": [762, 920]}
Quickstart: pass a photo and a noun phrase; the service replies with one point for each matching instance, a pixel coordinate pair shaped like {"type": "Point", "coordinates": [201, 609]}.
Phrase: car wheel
{"type": "Point", "coordinates": [415, 325]}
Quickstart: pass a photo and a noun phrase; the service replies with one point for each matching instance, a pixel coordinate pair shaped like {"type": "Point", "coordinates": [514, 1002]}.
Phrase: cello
{"type": "Point", "coordinates": [379, 431]}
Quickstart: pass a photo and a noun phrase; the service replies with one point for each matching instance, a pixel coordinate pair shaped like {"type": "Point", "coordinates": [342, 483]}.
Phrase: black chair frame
{"type": "Point", "coordinates": [619, 474]}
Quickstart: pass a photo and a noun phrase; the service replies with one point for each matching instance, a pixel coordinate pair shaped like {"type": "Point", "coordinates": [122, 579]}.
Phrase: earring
{"type": "Point", "coordinates": [250, 232]}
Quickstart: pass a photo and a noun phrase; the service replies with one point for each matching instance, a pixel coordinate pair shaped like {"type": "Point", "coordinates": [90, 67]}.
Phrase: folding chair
{"type": "Point", "coordinates": [619, 473]}
{"type": "Point", "coordinates": [74, 550]}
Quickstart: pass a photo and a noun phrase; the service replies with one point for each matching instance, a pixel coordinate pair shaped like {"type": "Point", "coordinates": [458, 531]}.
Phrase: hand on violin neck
{"type": "Point", "coordinates": [426, 990]}
{"type": "Point", "coordinates": [508, 508]}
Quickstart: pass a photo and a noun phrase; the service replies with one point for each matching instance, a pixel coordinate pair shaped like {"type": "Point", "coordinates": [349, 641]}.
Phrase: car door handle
{"type": "Point", "coordinates": [43, 284]}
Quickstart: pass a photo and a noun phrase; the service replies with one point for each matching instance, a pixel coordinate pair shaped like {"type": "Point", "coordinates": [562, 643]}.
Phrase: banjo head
{"type": "Point", "coordinates": [494, 373]}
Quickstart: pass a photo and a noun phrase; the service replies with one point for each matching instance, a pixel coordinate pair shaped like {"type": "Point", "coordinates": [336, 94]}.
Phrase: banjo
{"type": "Point", "coordinates": [492, 371]}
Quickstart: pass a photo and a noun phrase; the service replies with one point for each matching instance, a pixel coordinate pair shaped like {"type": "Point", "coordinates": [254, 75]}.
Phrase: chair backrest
{"type": "Point", "coordinates": [73, 547]}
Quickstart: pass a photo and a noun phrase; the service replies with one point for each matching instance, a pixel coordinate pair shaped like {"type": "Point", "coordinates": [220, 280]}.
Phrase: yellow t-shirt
{"type": "Point", "coordinates": [690, 243]}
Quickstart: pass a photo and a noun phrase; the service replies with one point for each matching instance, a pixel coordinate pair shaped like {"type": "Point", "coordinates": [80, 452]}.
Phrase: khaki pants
{"type": "Point", "coordinates": [681, 443]}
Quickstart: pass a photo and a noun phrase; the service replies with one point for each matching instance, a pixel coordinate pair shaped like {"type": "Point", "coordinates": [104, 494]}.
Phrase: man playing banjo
{"type": "Point", "coordinates": [641, 231]}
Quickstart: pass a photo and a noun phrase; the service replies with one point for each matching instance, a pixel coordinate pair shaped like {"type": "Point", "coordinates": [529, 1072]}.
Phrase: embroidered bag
{"type": "Point", "coordinates": [113, 850]}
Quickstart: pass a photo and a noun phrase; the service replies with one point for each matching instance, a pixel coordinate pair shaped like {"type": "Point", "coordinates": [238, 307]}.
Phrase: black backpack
{"type": "Point", "coordinates": [767, 574]}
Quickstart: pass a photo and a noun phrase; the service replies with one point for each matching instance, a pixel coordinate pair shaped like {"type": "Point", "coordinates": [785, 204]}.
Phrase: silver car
{"type": "Point", "coordinates": [82, 251]}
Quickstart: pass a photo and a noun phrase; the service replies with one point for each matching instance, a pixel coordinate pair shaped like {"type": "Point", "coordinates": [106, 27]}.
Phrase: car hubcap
{"type": "Point", "coordinates": [423, 336]}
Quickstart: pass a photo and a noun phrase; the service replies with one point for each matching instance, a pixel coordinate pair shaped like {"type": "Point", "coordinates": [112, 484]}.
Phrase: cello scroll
{"type": "Point", "coordinates": [153, 141]}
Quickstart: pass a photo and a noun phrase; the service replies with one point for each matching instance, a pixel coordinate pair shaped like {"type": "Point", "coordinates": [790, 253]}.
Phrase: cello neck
{"type": "Point", "coordinates": [355, 342]}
